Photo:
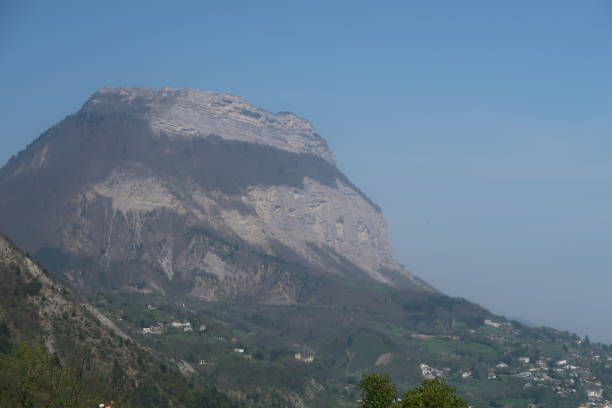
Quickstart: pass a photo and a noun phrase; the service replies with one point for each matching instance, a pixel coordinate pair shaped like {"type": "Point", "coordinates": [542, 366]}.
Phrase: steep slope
{"type": "Point", "coordinates": [107, 364]}
{"type": "Point", "coordinates": [41, 310]}
{"type": "Point", "coordinates": [192, 192]}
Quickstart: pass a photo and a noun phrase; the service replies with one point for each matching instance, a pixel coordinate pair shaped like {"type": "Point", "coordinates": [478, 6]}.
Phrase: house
{"type": "Point", "coordinates": [490, 322]}
{"type": "Point", "coordinates": [572, 367]}
{"type": "Point", "coordinates": [502, 365]}
{"type": "Point", "coordinates": [178, 325]}
{"type": "Point", "coordinates": [152, 330]}
{"type": "Point", "coordinates": [430, 372]}
{"type": "Point", "coordinates": [562, 362]}
{"type": "Point", "coordinates": [466, 374]}
{"type": "Point", "coordinates": [303, 358]}
{"type": "Point", "coordinates": [524, 360]}
{"type": "Point", "coordinates": [524, 374]}
{"type": "Point", "coordinates": [202, 362]}
{"type": "Point", "coordinates": [238, 350]}
{"type": "Point", "coordinates": [202, 328]}
{"type": "Point", "coordinates": [594, 394]}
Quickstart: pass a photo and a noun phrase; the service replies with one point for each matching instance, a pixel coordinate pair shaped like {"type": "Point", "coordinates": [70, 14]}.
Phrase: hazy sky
{"type": "Point", "coordinates": [482, 128]}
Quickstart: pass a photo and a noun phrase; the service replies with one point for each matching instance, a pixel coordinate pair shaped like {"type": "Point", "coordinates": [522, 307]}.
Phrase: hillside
{"type": "Point", "coordinates": [99, 360]}
{"type": "Point", "coordinates": [301, 355]}
{"type": "Point", "coordinates": [313, 355]}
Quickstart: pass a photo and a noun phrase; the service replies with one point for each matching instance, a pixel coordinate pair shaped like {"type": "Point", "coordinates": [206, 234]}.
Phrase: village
{"type": "Point", "coordinates": [565, 376]}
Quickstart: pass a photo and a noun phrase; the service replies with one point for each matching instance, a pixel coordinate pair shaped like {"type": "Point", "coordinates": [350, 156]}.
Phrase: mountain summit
{"type": "Point", "coordinates": [195, 113]}
{"type": "Point", "coordinates": [194, 193]}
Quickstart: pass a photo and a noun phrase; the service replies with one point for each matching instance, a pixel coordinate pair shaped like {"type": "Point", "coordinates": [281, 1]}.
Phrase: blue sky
{"type": "Point", "coordinates": [482, 128]}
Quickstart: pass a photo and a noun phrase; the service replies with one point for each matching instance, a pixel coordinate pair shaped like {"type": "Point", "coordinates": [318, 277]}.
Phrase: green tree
{"type": "Point", "coordinates": [377, 391]}
{"type": "Point", "coordinates": [433, 394]}
{"type": "Point", "coordinates": [30, 377]}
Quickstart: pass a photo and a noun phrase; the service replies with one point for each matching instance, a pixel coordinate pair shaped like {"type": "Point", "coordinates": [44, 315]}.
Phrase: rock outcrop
{"type": "Point", "coordinates": [193, 192]}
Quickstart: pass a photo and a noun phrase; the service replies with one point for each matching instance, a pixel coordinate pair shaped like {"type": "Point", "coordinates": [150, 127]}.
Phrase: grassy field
{"type": "Point", "coordinates": [447, 346]}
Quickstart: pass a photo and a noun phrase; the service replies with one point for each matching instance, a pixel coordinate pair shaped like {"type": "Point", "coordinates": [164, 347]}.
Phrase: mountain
{"type": "Point", "coordinates": [222, 239]}
{"type": "Point", "coordinates": [186, 192]}
{"type": "Point", "coordinates": [90, 358]}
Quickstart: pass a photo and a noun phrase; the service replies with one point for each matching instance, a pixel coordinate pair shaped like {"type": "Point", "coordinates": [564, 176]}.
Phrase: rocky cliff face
{"type": "Point", "coordinates": [184, 113]}
{"type": "Point", "coordinates": [192, 192]}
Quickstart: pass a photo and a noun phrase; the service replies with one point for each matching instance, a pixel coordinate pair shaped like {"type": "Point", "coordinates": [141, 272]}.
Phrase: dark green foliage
{"type": "Point", "coordinates": [5, 338]}
{"type": "Point", "coordinates": [432, 394]}
{"type": "Point", "coordinates": [445, 309]}
{"type": "Point", "coordinates": [377, 391]}
{"type": "Point", "coordinates": [31, 288]}
{"type": "Point", "coordinates": [29, 377]}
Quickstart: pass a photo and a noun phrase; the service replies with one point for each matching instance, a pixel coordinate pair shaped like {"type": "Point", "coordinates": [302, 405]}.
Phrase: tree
{"type": "Point", "coordinates": [377, 391]}
{"type": "Point", "coordinates": [30, 377]}
{"type": "Point", "coordinates": [433, 394]}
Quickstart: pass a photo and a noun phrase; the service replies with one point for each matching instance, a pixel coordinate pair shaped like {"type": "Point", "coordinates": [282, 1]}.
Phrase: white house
{"type": "Point", "coordinates": [490, 322]}
{"type": "Point", "coordinates": [524, 360]}
{"type": "Point", "coordinates": [178, 325]}
{"type": "Point", "coordinates": [152, 330]}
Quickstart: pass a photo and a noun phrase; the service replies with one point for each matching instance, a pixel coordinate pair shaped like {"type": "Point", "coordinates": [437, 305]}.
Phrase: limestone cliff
{"type": "Point", "coordinates": [197, 193]}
